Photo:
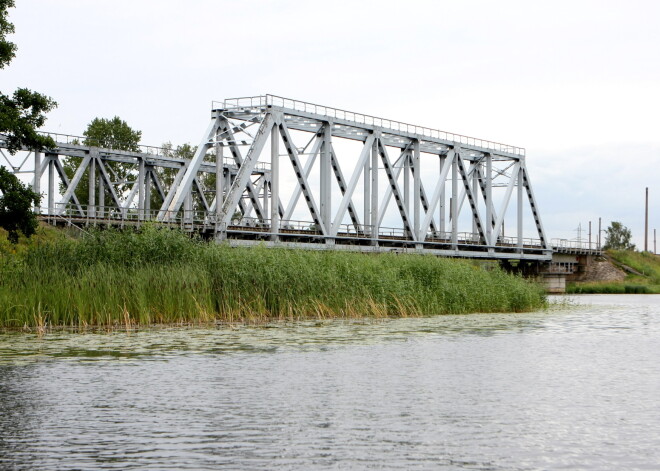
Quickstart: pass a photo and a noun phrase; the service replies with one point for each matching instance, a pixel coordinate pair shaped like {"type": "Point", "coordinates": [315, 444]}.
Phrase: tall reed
{"type": "Point", "coordinates": [163, 276]}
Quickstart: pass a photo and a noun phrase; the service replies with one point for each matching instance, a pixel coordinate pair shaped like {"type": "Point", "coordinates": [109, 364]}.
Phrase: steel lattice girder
{"type": "Point", "coordinates": [312, 137]}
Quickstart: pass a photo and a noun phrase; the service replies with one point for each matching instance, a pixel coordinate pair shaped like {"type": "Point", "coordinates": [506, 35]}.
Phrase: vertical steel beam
{"type": "Point", "coordinates": [219, 181]}
{"type": "Point", "coordinates": [406, 182]}
{"type": "Point", "coordinates": [147, 191]}
{"type": "Point", "coordinates": [91, 201]}
{"type": "Point", "coordinates": [51, 185]}
{"type": "Point", "coordinates": [443, 198]}
{"type": "Point", "coordinates": [274, 182]}
{"type": "Point", "coordinates": [489, 198]}
{"type": "Point", "coordinates": [264, 196]}
{"type": "Point", "coordinates": [374, 189]}
{"type": "Point", "coordinates": [475, 191]}
{"type": "Point", "coordinates": [325, 176]}
{"type": "Point", "coordinates": [520, 209]}
{"type": "Point", "coordinates": [140, 186]}
{"type": "Point", "coordinates": [366, 195]}
{"type": "Point", "coordinates": [36, 184]}
{"type": "Point", "coordinates": [417, 197]}
{"type": "Point", "coordinates": [187, 208]}
{"type": "Point", "coordinates": [101, 196]}
{"type": "Point", "coordinates": [454, 198]}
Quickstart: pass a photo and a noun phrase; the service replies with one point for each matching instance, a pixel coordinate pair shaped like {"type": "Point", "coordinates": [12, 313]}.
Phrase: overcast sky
{"type": "Point", "coordinates": [577, 83]}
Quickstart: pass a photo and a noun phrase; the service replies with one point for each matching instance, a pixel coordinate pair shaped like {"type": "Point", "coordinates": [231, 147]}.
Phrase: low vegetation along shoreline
{"type": "Point", "coordinates": [112, 278]}
{"type": "Point", "coordinates": [641, 270]}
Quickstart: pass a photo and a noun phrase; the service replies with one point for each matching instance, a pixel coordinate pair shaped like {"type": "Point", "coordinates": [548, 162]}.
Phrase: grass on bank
{"type": "Point", "coordinates": [163, 276]}
{"type": "Point", "coordinates": [647, 282]}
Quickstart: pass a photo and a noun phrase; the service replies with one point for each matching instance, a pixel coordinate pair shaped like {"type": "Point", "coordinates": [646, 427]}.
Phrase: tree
{"type": "Point", "coordinates": [20, 116]}
{"type": "Point", "coordinates": [112, 133]}
{"type": "Point", "coordinates": [618, 237]}
{"type": "Point", "coordinates": [22, 113]}
{"type": "Point", "coordinates": [16, 201]}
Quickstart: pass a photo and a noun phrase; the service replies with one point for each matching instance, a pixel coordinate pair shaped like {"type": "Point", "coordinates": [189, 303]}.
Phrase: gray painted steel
{"type": "Point", "coordinates": [235, 186]}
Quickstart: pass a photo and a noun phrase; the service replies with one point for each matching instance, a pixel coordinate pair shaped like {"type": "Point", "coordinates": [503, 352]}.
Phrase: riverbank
{"type": "Point", "coordinates": [111, 278]}
{"type": "Point", "coordinates": [640, 274]}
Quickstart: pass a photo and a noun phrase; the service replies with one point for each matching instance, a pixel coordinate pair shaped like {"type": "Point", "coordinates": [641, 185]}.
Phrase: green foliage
{"type": "Point", "coordinates": [163, 276]}
{"type": "Point", "coordinates": [644, 262]}
{"type": "Point", "coordinates": [7, 49]}
{"type": "Point", "coordinates": [112, 133]}
{"type": "Point", "coordinates": [618, 237]}
{"type": "Point", "coordinates": [16, 202]}
{"type": "Point", "coordinates": [22, 113]}
{"type": "Point", "coordinates": [610, 288]}
{"type": "Point", "coordinates": [20, 117]}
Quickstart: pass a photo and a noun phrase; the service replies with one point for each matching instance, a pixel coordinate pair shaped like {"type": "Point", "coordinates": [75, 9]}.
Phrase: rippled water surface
{"type": "Point", "coordinates": [575, 387]}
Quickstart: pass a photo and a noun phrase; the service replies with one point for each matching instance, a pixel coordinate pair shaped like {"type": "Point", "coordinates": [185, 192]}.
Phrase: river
{"type": "Point", "coordinates": [573, 387]}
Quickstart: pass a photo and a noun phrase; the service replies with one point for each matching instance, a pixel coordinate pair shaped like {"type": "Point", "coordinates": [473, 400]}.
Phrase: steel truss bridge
{"type": "Point", "coordinates": [280, 172]}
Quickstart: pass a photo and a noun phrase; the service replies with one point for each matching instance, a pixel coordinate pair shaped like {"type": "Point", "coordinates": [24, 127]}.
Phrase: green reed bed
{"type": "Point", "coordinates": [611, 288]}
{"type": "Point", "coordinates": [162, 276]}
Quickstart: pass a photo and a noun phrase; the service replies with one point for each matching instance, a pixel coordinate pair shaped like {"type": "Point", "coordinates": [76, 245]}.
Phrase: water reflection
{"type": "Point", "coordinates": [575, 387]}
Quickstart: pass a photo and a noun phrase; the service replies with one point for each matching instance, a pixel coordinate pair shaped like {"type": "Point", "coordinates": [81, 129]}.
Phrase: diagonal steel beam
{"type": "Point", "coordinates": [163, 214]}
{"type": "Point", "coordinates": [157, 183]}
{"type": "Point", "coordinates": [425, 203]}
{"type": "Point", "coordinates": [389, 171]}
{"type": "Point", "coordinates": [243, 176]}
{"type": "Point", "coordinates": [70, 191]}
{"type": "Point", "coordinates": [505, 205]}
{"type": "Point", "coordinates": [108, 183]}
{"type": "Point", "coordinates": [258, 185]}
{"type": "Point", "coordinates": [225, 128]}
{"type": "Point", "coordinates": [471, 198]}
{"type": "Point", "coordinates": [534, 206]}
{"type": "Point", "coordinates": [339, 175]}
{"type": "Point", "coordinates": [398, 168]}
{"type": "Point", "coordinates": [302, 178]}
{"type": "Point", "coordinates": [175, 199]}
{"type": "Point", "coordinates": [348, 194]}
{"type": "Point", "coordinates": [439, 190]}
{"type": "Point", "coordinates": [198, 188]}
{"type": "Point", "coordinates": [65, 181]}
{"type": "Point", "coordinates": [293, 201]}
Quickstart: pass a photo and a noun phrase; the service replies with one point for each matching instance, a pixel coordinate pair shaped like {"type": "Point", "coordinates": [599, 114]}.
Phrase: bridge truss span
{"type": "Point", "coordinates": [295, 174]}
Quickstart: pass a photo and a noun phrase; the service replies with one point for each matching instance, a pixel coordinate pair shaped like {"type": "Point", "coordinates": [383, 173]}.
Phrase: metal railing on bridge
{"type": "Point", "coordinates": [336, 113]}
{"type": "Point", "coordinates": [204, 221]}
{"type": "Point", "coordinates": [566, 245]}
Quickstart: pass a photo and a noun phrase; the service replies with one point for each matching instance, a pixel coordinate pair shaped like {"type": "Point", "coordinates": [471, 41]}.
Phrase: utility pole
{"type": "Point", "coordinates": [598, 233]}
{"type": "Point", "coordinates": [646, 222]}
{"type": "Point", "coordinates": [589, 235]}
